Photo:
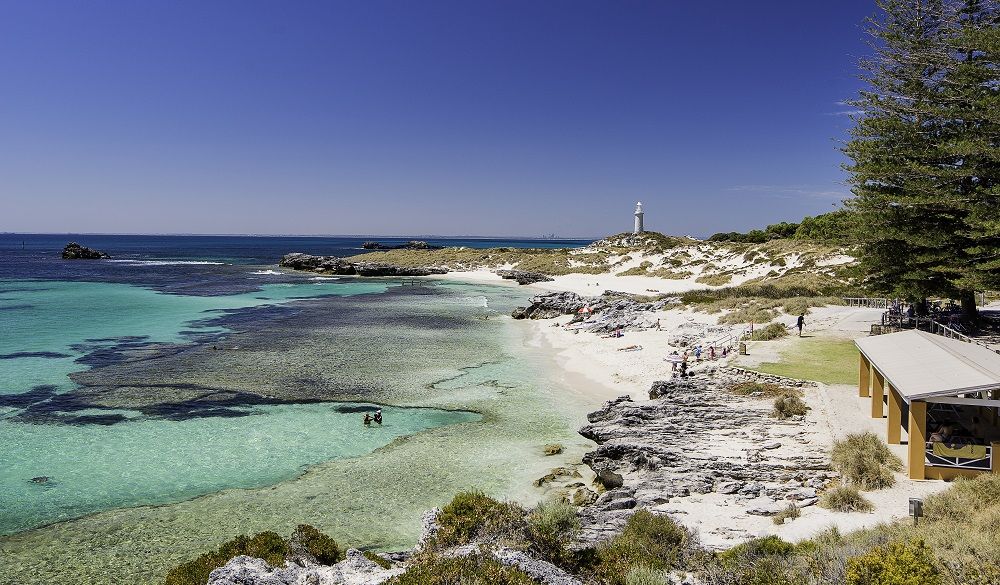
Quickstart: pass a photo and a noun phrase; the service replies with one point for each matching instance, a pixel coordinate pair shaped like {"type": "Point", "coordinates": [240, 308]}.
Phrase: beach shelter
{"type": "Point", "coordinates": [925, 385]}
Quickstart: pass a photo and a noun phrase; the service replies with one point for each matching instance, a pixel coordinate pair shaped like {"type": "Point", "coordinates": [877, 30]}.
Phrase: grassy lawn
{"type": "Point", "coordinates": [831, 361]}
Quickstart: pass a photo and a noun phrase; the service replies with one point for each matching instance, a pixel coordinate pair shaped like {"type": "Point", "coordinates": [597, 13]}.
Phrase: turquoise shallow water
{"type": "Point", "coordinates": [143, 461]}
{"type": "Point", "coordinates": [49, 325]}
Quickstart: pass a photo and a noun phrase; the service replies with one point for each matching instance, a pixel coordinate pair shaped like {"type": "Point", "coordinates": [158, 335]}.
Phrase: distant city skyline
{"type": "Point", "coordinates": [451, 118]}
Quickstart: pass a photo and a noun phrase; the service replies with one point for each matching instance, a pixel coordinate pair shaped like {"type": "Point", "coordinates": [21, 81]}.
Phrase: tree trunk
{"type": "Point", "coordinates": [969, 312]}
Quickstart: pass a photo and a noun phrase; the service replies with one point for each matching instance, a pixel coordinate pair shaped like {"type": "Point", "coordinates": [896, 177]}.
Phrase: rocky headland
{"type": "Point", "coordinates": [523, 277]}
{"type": "Point", "coordinates": [74, 251]}
{"type": "Point", "coordinates": [340, 266]}
{"type": "Point", "coordinates": [599, 314]}
{"type": "Point", "coordinates": [411, 245]}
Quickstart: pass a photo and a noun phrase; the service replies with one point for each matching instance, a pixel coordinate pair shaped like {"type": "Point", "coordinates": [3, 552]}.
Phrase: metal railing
{"type": "Point", "coordinates": [955, 462]}
{"type": "Point", "coordinates": [869, 302]}
{"type": "Point", "coordinates": [730, 339]}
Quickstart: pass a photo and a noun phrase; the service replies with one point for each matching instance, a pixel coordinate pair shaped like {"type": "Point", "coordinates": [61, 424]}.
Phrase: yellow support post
{"type": "Point", "coordinates": [864, 376]}
{"type": "Point", "coordinates": [995, 457]}
{"type": "Point", "coordinates": [918, 439]}
{"type": "Point", "coordinates": [895, 420]}
{"type": "Point", "coordinates": [878, 392]}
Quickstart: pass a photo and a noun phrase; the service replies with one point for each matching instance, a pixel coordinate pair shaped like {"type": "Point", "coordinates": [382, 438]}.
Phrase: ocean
{"type": "Point", "coordinates": [185, 391]}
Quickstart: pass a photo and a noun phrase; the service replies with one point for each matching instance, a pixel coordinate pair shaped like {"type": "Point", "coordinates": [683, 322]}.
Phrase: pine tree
{"type": "Point", "coordinates": [924, 151]}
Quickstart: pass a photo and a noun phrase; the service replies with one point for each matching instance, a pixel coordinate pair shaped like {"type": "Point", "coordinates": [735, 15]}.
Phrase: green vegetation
{"type": "Point", "coordinates": [551, 527]}
{"type": "Point", "coordinates": [895, 563]}
{"type": "Point", "coordinates": [476, 516]}
{"type": "Point", "coordinates": [649, 541]}
{"type": "Point", "coordinates": [714, 279]}
{"type": "Point", "coordinates": [266, 545]}
{"type": "Point", "coordinates": [377, 559]}
{"type": "Point", "coordinates": [646, 576]}
{"type": "Point", "coordinates": [831, 361]}
{"type": "Point", "coordinates": [789, 405]}
{"type": "Point", "coordinates": [474, 570]}
{"type": "Point", "coordinates": [770, 332]}
{"type": "Point", "coordinates": [924, 170]}
{"type": "Point", "coordinates": [311, 541]}
{"type": "Point", "coordinates": [865, 461]}
{"type": "Point", "coordinates": [845, 499]}
{"type": "Point", "coordinates": [791, 511]}
{"type": "Point", "coordinates": [835, 226]}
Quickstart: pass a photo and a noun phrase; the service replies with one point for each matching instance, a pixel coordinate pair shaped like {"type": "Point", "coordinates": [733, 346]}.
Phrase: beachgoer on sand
{"type": "Point", "coordinates": [800, 322]}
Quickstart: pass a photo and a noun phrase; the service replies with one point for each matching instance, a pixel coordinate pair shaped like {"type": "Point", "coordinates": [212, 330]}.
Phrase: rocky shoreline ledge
{"type": "Point", "coordinates": [74, 251]}
{"type": "Point", "coordinates": [339, 266]}
{"type": "Point", "coordinates": [607, 312]}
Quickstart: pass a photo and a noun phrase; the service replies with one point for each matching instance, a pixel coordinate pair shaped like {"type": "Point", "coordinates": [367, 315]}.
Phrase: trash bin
{"type": "Point", "coordinates": [743, 348]}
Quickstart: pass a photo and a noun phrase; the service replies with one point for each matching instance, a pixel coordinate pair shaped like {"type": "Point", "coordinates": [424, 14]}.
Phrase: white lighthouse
{"type": "Point", "coordinates": [638, 218]}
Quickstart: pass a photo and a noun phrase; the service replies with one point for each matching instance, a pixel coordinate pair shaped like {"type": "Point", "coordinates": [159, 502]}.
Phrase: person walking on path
{"type": "Point", "coordinates": [800, 323]}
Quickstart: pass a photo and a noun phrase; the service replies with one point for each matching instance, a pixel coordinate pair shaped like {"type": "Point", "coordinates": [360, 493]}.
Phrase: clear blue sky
{"type": "Point", "coordinates": [431, 117]}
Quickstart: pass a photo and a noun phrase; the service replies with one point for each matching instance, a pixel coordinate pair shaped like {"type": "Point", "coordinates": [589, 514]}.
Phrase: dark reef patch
{"type": "Point", "coordinates": [33, 354]}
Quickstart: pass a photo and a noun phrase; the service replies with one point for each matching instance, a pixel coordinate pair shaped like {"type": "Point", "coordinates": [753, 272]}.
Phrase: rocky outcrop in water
{"type": "Point", "coordinates": [74, 251]}
{"type": "Point", "coordinates": [411, 245]}
{"type": "Point", "coordinates": [523, 277]}
{"type": "Point", "coordinates": [695, 437]}
{"type": "Point", "coordinates": [607, 312]}
{"type": "Point", "coordinates": [339, 266]}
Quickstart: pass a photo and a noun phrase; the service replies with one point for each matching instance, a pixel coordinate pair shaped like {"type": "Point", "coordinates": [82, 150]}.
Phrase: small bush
{"type": "Point", "coordinates": [648, 540]}
{"type": "Point", "coordinates": [758, 561]}
{"type": "Point", "coordinates": [476, 516]}
{"type": "Point", "coordinates": [551, 526]}
{"type": "Point", "coordinates": [552, 449]}
{"type": "Point", "coordinates": [789, 405]}
{"type": "Point", "coordinates": [323, 548]}
{"type": "Point", "coordinates": [772, 331]}
{"type": "Point", "coordinates": [646, 576]}
{"type": "Point", "coordinates": [714, 279]}
{"type": "Point", "coordinates": [865, 461]}
{"type": "Point", "coordinates": [895, 563]}
{"type": "Point", "coordinates": [377, 559]}
{"type": "Point", "coordinates": [472, 570]}
{"type": "Point", "coordinates": [266, 545]}
{"type": "Point", "coordinates": [845, 499]}
{"type": "Point", "coordinates": [791, 511]}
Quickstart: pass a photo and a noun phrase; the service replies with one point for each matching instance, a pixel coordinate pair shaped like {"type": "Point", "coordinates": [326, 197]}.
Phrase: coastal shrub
{"type": "Point", "coordinates": [552, 449]}
{"type": "Point", "coordinates": [790, 511]}
{"type": "Point", "coordinates": [772, 331]}
{"type": "Point", "coordinates": [714, 279]}
{"type": "Point", "coordinates": [647, 540]}
{"type": "Point", "coordinates": [788, 405]}
{"type": "Point", "coordinates": [472, 570]}
{"type": "Point", "coordinates": [895, 563]}
{"type": "Point", "coordinates": [845, 499]}
{"type": "Point", "coordinates": [475, 516]}
{"type": "Point", "coordinates": [265, 545]}
{"type": "Point", "coordinates": [552, 526]}
{"type": "Point", "coordinates": [377, 559]}
{"type": "Point", "coordinates": [646, 576]}
{"type": "Point", "coordinates": [964, 499]}
{"type": "Point", "coordinates": [320, 546]}
{"type": "Point", "coordinates": [670, 274]}
{"type": "Point", "coordinates": [639, 270]}
{"type": "Point", "coordinates": [865, 460]}
{"type": "Point", "coordinates": [758, 561]}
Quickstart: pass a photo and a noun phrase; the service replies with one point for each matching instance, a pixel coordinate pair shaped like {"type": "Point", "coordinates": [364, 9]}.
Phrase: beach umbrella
{"type": "Point", "coordinates": [584, 310]}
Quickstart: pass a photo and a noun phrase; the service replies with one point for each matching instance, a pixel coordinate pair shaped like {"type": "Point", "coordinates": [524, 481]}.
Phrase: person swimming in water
{"type": "Point", "coordinates": [378, 416]}
{"type": "Point", "coordinates": [368, 420]}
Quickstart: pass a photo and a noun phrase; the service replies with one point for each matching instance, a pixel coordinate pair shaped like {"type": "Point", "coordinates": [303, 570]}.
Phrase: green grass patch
{"type": "Point", "coordinates": [830, 361]}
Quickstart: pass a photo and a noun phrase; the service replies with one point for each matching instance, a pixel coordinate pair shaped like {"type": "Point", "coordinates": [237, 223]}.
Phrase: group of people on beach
{"type": "Point", "coordinates": [377, 418]}
{"type": "Point", "coordinates": [679, 362]}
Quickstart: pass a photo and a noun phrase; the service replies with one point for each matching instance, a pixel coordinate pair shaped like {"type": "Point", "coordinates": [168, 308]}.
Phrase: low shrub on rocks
{"type": "Point", "coordinates": [772, 331]}
{"type": "Point", "coordinates": [845, 499]}
{"type": "Point", "coordinates": [478, 570]}
{"type": "Point", "coordinates": [648, 540]}
{"type": "Point", "coordinates": [475, 516]}
{"type": "Point", "coordinates": [895, 563]}
{"type": "Point", "coordinates": [759, 389]}
{"type": "Point", "coordinates": [377, 559]}
{"type": "Point", "coordinates": [789, 405]}
{"type": "Point", "coordinates": [551, 527]}
{"type": "Point", "coordinates": [265, 545]}
{"type": "Point", "coordinates": [865, 460]}
{"type": "Point", "coordinates": [790, 511]}
{"type": "Point", "coordinates": [646, 576]}
{"type": "Point", "coordinates": [321, 547]}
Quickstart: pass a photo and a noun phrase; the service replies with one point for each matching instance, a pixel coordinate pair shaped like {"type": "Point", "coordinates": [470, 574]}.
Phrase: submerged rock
{"type": "Point", "coordinates": [74, 251]}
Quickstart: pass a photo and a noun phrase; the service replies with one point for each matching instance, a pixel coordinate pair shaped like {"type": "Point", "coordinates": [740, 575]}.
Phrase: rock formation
{"type": "Point", "coordinates": [74, 251]}
{"type": "Point", "coordinates": [354, 570]}
{"type": "Point", "coordinates": [695, 437]}
{"type": "Point", "coordinates": [334, 265]}
{"type": "Point", "coordinates": [608, 312]}
{"type": "Point", "coordinates": [523, 277]}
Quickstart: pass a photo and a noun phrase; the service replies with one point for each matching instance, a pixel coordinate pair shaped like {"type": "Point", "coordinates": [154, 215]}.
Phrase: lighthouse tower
{"type": "Point", "coordinates": [638, 218]}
